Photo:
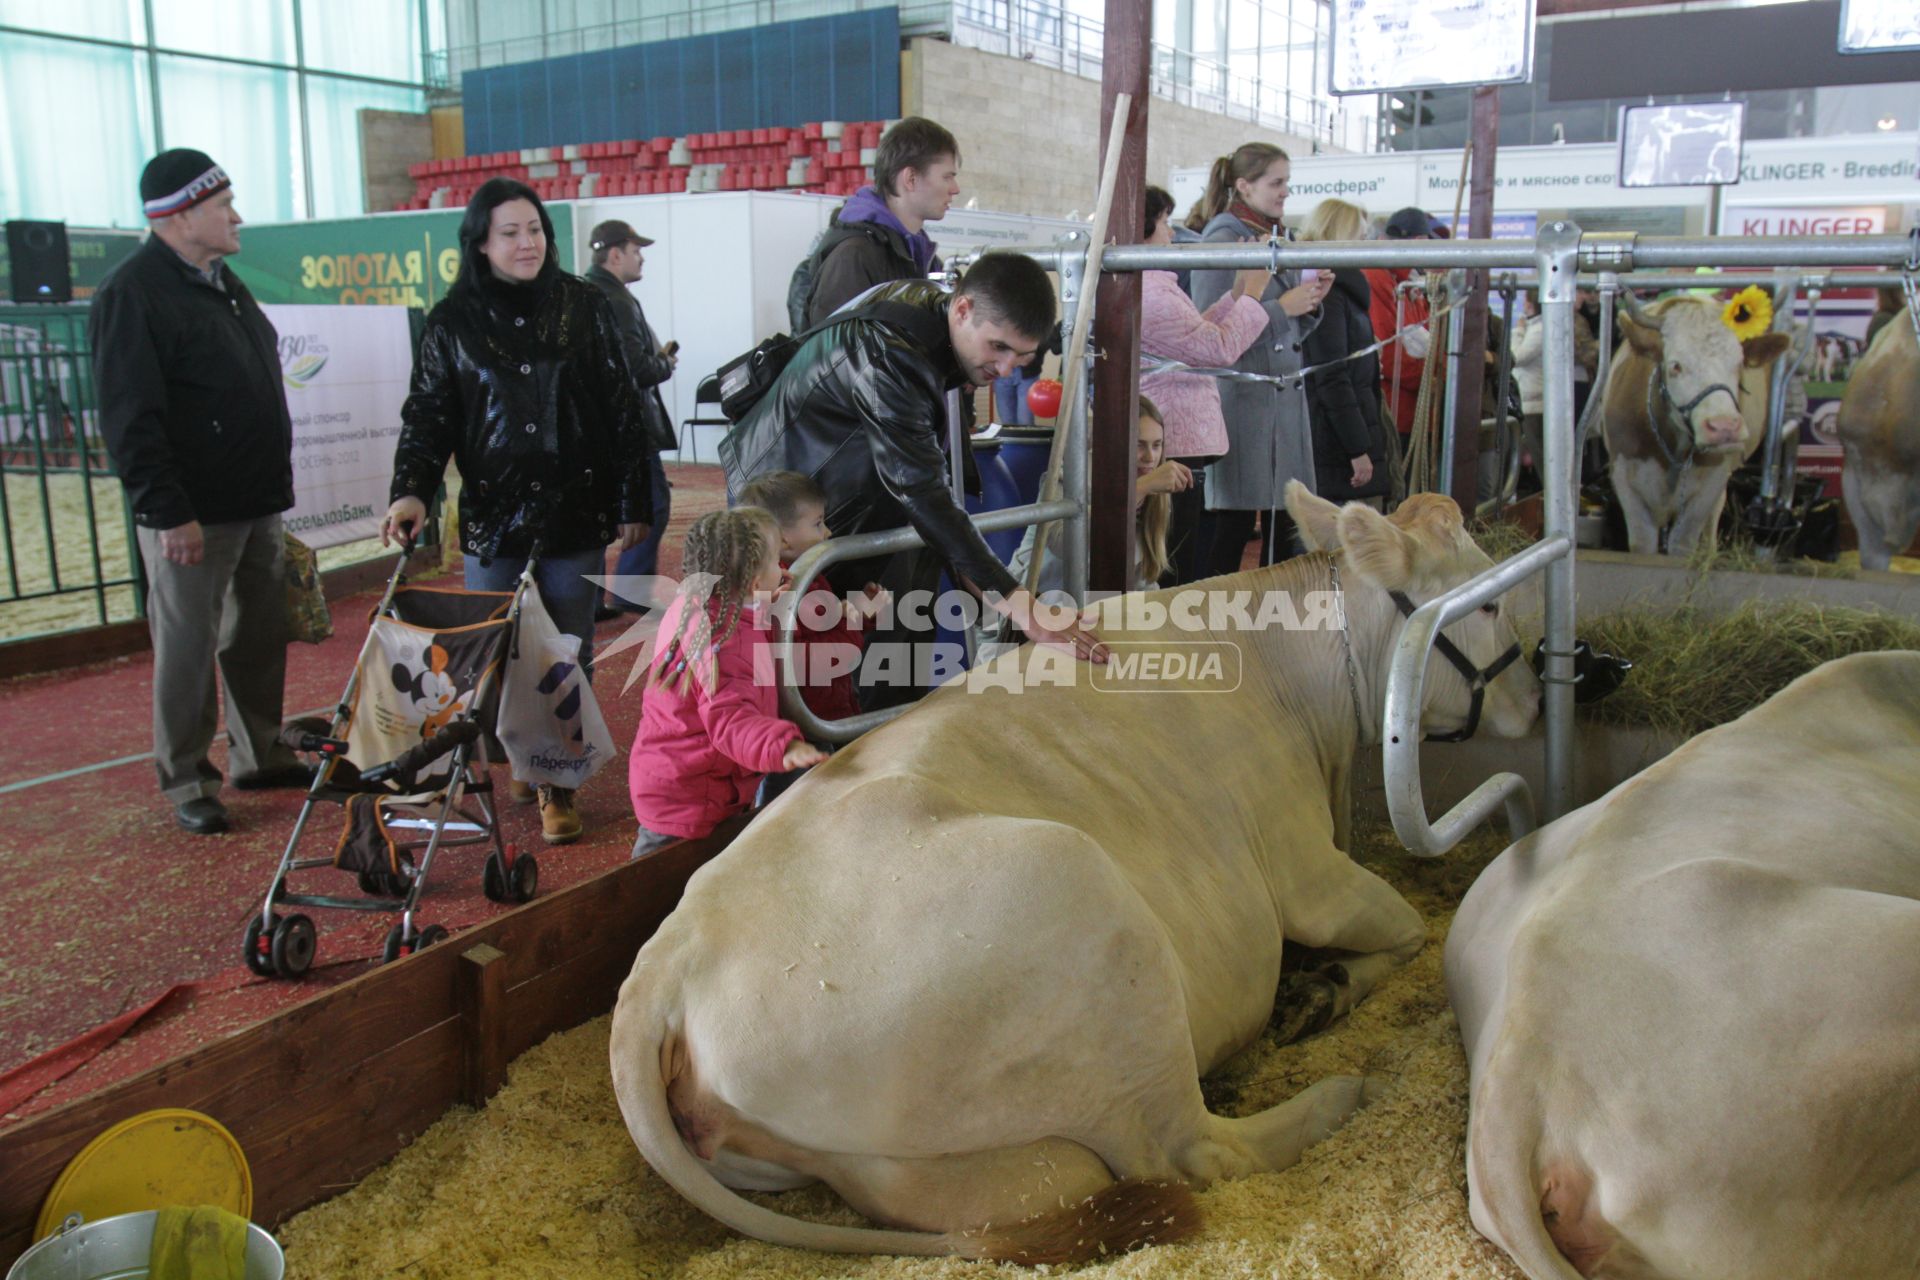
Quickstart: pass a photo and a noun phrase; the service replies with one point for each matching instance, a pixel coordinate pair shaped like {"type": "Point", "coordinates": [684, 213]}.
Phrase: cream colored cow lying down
{"type": "Point", "coordinates": [969, 972]}
{"type": "Point", "coordinates": [1692, 1008]}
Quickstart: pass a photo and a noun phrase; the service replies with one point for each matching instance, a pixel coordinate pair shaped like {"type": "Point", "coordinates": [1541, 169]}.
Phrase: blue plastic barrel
{"type": "Point", "coordinates": [1025, 451]}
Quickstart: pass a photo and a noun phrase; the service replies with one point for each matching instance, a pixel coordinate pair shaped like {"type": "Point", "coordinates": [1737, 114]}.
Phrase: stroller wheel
{"type": "Point", "coordinates": [493, 879]}
{"type": "Point", "coordinates": [428, 936]}
{"type": "Point", "coordinates": [293, 943]}
{"type": "Point", "coordinates": [397, 945]}
{"type": "Point", "coordinates": [260, 947]}
{"type": "Point", "coordinates": [526, 878]}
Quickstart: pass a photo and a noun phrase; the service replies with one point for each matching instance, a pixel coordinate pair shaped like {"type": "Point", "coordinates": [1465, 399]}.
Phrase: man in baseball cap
{"type": "Point", "coordinates": [187, 376]}
{"type": "Point", "coordinates": [617, 263]}
{"type": "Point", "coordinates": [1410, 224]}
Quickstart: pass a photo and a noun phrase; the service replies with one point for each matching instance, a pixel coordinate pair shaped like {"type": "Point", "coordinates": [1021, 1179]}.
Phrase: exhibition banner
{"type": "Point", "coordinates": [396, 259]}
{"type": "Point", "coordinates": [345, 370]}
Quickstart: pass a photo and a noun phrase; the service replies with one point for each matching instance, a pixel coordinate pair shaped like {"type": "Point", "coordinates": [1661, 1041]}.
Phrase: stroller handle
{"type": "Point", "coordinates": [403, 767]}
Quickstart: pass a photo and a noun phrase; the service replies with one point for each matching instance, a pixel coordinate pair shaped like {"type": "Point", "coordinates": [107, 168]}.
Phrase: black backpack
{"type": "Point", "coordinates": [800, 286]}
{"type": "Point", "coordinates": [745, 380]}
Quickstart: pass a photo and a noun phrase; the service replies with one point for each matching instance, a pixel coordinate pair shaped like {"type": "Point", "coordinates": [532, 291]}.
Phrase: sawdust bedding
{"type": "Point", "coordinates": [545, 1182]}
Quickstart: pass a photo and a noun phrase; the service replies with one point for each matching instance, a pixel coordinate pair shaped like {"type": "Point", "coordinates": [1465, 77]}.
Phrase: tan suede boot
{"type": "Point", "coordinates": [520, 792]}
{"type": "Point", "coordinates": [559, 820]}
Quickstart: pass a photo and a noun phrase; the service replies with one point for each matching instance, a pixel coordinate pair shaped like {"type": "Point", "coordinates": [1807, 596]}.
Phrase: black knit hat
{"type": "Point", "coordinates": [177, 180]}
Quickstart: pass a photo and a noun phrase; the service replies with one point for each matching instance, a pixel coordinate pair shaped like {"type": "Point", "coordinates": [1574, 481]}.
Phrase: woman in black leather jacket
{"type": "Point", "coordinates": [522, 381]}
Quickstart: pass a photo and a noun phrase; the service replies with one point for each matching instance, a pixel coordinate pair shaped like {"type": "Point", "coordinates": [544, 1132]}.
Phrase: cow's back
{"type": "Point", "coordinates": [1702, 992]}
{"type": "Point", "coordinates": [1879, 420]}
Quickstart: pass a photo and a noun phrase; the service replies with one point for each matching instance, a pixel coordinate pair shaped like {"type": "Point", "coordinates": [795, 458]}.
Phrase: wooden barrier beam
{"type": "Point", "coordinates": [482, 998]}
{"type": "Point", "coordinates": [324, 1092]}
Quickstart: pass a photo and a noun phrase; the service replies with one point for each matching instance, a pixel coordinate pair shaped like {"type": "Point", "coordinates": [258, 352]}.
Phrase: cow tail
{"type": "Point", "coordinates": [1504, 1132]}
{"type": "Point", "coordinates": [643, 1098]}
{"type": "Point", "coordinates": [1123, 1216]}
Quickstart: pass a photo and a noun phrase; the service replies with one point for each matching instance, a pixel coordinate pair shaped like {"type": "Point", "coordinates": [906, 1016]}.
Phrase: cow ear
{"type": "Point", "coordinates": [1764, 350]}
{"type": "Point", "coordinates": [1376, 548]}
{"type": "Point", "coordinates": [1641, 338]}
{"type": "Point", "coordinates": [1317, 519]}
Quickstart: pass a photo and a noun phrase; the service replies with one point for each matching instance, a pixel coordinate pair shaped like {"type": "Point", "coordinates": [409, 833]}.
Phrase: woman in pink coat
{"type": "Point", "coordinates": [710, 725]}
{"type": "Point", "coordinates": [1172, 328]}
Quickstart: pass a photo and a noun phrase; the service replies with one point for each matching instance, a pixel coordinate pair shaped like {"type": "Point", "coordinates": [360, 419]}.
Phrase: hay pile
{"type": "Point", "coordinates": [1694, 669]}
{"type": "Point", "coordinates": [546, 1182]}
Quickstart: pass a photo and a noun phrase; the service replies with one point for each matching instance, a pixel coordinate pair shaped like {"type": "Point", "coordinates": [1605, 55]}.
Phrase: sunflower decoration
{"type": "Point", "coordinates": [1749, 313]}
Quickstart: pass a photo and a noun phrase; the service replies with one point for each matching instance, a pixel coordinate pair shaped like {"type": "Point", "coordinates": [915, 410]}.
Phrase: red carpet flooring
{"type": "Point", "coordinates": [109, 905]}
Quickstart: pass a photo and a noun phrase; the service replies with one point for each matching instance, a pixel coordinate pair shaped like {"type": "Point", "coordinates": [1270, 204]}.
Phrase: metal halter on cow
{"type": "Point", "coordinates": [1557, 255]}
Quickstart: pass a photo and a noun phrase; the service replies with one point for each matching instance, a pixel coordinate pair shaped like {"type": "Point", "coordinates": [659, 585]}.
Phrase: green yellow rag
{"type": "Point", "coordinates": [199, 1242]}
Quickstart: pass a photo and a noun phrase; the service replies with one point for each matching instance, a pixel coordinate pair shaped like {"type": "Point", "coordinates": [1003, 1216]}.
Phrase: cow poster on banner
{"type": "Point", "coordinates": [345, 370]}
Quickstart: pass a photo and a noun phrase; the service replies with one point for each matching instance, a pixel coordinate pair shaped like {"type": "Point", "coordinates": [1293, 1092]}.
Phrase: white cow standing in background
{"type": "Point", "coordinates": [970, 971]}
{"type": "Point", "coordinates": [1674, 418]}
{"type": "Point", "coordinates": [1879, 430]}
{"type": "Point", "coordinates": [1692, 1008]}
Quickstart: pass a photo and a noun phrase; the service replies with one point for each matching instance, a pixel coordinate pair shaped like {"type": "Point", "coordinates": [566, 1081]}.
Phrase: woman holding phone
{"type": "Point", "coordinates": [1268, 438]}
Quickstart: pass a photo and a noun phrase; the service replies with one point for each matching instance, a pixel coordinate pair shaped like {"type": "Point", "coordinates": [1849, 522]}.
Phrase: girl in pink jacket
{"type": "Point", "coordinates": [1172, 328]}
{"type": "Point", "coordinates": [710, 727]}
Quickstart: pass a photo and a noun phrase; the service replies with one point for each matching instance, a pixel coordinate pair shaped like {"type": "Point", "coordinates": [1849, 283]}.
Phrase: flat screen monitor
{"type": "Point", "coordinates": [1382, 45]}
{"type": "Point", "coordinates": [1686, 145]}
{"type": "Point", "coordinates": [1879, 26]}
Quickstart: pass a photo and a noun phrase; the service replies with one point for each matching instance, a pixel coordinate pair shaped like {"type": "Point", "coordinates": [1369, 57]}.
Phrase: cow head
{"type": "Point", "coordinates": [1698, 360]}
{"type": "Point", "coordinates": [1421, 551]}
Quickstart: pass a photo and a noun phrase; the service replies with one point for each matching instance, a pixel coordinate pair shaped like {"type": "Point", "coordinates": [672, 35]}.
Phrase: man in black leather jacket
{"type": "Point", "coordinates": [618, 260]}
{"type": "Point", "coordinates": [861, 408]}
{"type": "Point", "coordinates": [195, 416]}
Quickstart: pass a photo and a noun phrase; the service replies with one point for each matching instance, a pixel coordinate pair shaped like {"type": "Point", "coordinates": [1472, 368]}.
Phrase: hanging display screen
{"type": "Point", "coordinates": [1685, 145]}
{"type": "Point", "coordinates": [1382, 45]}
{"type": "Point", "coordinates": [1879, 26]}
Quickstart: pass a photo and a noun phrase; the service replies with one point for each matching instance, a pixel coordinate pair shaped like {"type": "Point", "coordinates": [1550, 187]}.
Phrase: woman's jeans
{"type": "Point", "coordinates": [564, 589]}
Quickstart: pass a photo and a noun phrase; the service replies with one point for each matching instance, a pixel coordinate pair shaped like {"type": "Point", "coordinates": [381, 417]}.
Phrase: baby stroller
{"type": "Point", "coordinates": [420, 700]}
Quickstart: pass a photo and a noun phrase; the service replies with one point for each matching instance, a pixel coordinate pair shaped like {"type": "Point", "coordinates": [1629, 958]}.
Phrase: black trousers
{"type": "Point", "coordinates": [1232, 530]}
{"type": "Point", "coordinates": [1189, 531]}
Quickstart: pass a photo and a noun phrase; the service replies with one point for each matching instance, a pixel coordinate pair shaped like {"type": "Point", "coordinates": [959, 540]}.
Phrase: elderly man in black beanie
{"type": "Point", "coordinates": [187, 371]}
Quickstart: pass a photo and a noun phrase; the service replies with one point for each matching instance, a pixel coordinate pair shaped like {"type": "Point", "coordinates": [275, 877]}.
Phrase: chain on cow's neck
{"type": "Point", "coordinates": [1346, 646]}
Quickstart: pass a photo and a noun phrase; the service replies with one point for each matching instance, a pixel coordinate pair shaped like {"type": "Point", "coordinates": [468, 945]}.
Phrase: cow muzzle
{"type": "Point", "coordinates": [1723, 432]}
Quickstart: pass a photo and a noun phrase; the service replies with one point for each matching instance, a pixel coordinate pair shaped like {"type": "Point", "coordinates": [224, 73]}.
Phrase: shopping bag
{"type": "Point", "coordinates": [308, 620]}
{"type": "Point", "coordinates": [550, 723]}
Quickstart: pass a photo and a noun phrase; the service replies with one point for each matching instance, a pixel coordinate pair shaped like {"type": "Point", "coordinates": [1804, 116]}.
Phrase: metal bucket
{"type": "Point", "coordinates": [117, 1248]}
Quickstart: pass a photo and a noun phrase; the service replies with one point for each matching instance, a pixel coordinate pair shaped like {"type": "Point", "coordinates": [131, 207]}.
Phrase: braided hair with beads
{"type": "Point", "coordinates": [724, 553]}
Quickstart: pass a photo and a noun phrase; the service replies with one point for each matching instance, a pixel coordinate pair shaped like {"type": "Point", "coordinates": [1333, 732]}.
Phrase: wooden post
{"type": "Point", "coordinates": [1116, 316]}
{"type": "Point", "coordinates": [481, 995]}
{"type": "Point", "coordinates": [1473, 316]}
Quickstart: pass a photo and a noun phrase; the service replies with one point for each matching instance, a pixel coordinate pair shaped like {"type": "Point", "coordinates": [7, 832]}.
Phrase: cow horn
{"type": "Point", "coordinates": [1641, 316]}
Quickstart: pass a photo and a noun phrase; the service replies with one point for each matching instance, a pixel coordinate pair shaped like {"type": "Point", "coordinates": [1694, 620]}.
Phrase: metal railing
{"type": "Point", "coordinates": [51, 455]}
{"type": "Point", "coordinates": [860, 546]}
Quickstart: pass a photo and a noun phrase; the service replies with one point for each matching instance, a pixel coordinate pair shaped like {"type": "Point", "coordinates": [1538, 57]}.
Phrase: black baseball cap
{"type": "Point", "coordinates": [1410, 224]}
{"type": "Point", "coordinates": [612, 234]}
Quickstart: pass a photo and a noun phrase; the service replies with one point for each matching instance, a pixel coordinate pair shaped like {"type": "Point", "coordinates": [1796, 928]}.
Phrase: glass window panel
{"type": "Point", "coordinates": [259, 29]}
{"type": "Point", "coordinates": [82, 162]}
{"type": "Point", "coordinates": [378, 38]}
{"type": "Point", "coordinates": [248, 120]}
{"type": "Point", "coordinates": [333, 115]}
{"type": "Point", "coordinates": [101, 19]}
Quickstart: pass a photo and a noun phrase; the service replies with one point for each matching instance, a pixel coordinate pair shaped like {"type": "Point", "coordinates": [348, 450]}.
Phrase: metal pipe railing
{"type": "Point", "coordinates": [860, 546]}
{"type": "Point", "coordinates": [1406, 689]}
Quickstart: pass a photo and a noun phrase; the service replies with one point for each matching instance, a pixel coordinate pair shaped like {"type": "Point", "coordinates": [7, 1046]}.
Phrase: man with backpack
{"type": "Point", "coordinates": [879, 235]}
{"type": "Point", "coordinates": [860, 407]}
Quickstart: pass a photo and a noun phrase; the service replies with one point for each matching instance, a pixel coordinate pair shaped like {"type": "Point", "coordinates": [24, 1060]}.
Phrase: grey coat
{"type": "Point", "coordinates": [1268, 439]}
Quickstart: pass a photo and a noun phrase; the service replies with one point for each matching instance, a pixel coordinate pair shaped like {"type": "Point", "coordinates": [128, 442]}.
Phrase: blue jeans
{"type": "Point", "coordinates": [644, 560]}
{"type": "Point", "coordinates": [1010, 399]}
{"type": "Point", "coordinates": [568, 595]}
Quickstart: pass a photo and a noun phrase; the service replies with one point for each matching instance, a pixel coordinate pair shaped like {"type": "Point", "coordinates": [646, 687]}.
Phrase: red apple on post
{"type": "Point", "coordinates": [1043, 397]}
